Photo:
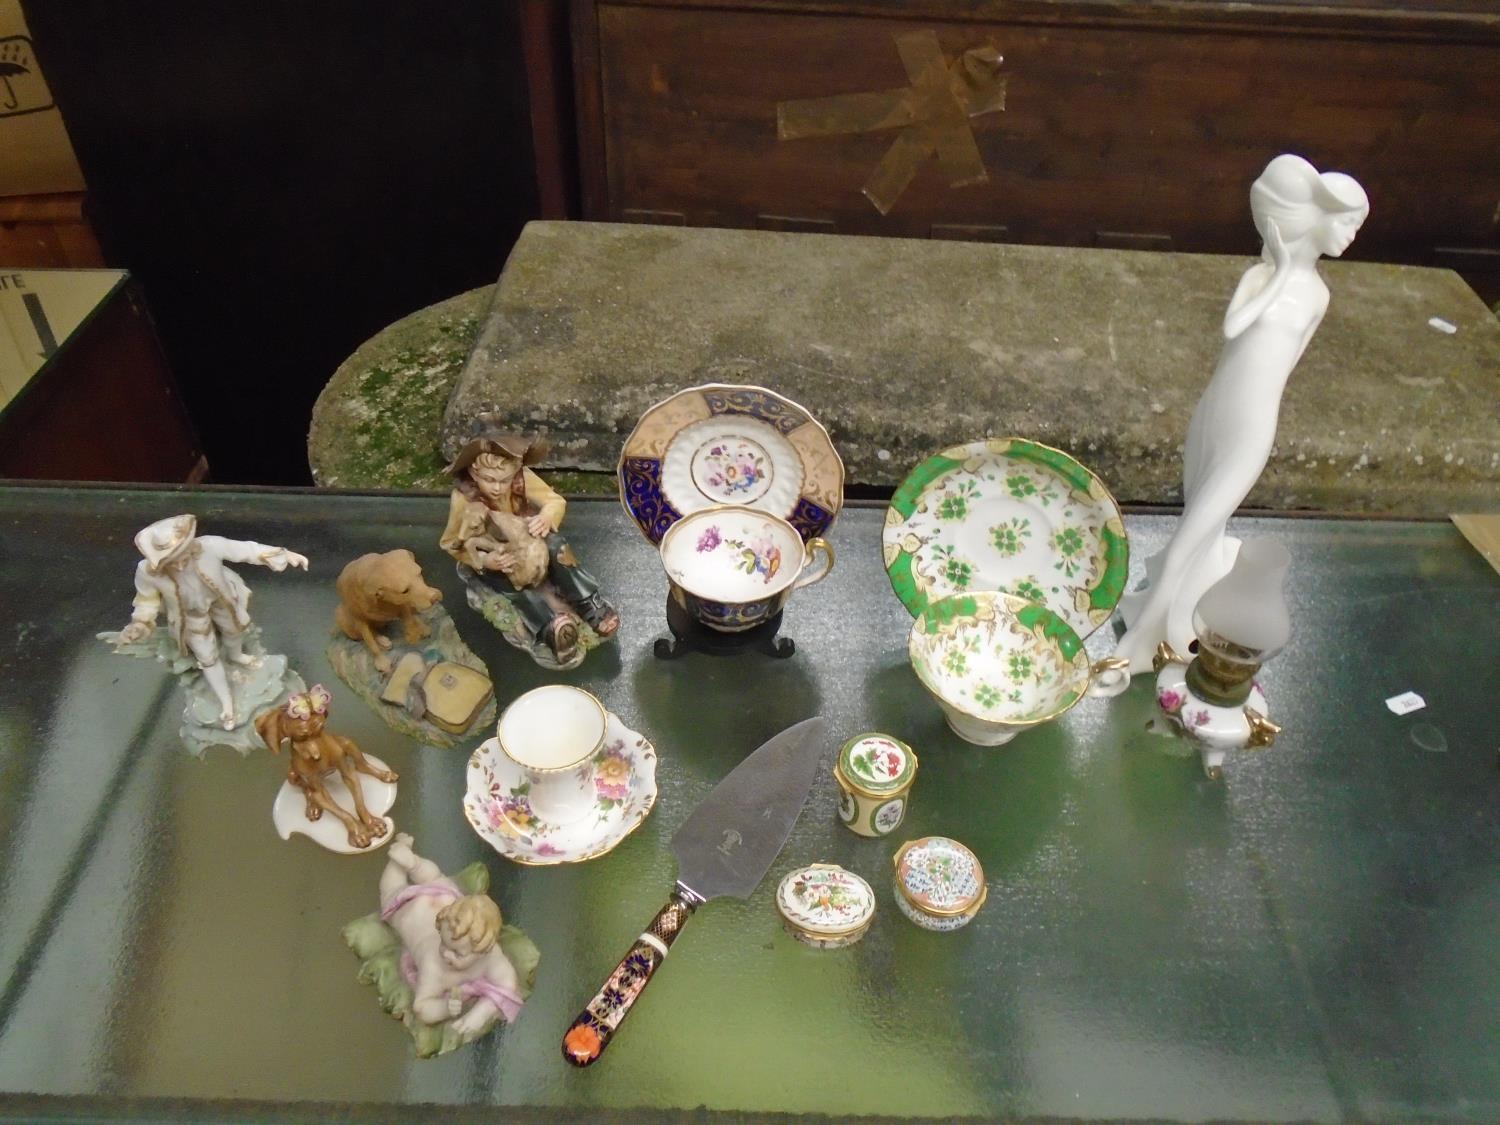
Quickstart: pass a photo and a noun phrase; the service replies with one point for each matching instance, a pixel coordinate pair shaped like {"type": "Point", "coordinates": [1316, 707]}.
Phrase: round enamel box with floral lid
{"type": "Point", "coordinates": [825, 906]}
{"type": "Point", "coordinates": [939, 884]}
{"type": "Point", "coordinates": [875, 773]}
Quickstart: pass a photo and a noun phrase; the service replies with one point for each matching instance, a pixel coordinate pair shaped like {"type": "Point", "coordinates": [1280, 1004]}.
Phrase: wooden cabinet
{"type": "Point", "coordinates": [1126, 123]}
{"type": "Point", "coordinates": [85, 391]}
{"type": "Point", "coordinates": [47, 232]}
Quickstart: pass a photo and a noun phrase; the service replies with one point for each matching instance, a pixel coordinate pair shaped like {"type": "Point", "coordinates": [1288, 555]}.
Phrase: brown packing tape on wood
{"type": "Point", "coordinates": [1483, 531]}
{"type": "Point", "coordinates": [844, 113]}
{"type": "Point", "coordinates": [933, 114]}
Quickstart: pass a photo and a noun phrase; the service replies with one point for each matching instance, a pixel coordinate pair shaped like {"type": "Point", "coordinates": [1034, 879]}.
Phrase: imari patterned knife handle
{"type": "Point", "coordinates": [596, 1024]}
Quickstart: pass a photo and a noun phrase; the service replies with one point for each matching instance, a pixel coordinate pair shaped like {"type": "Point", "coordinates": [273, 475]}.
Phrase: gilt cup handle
{"type": "Point", "coordinates": [811, 574]}
{"type": "Point", "coordinates": [1109, 677]}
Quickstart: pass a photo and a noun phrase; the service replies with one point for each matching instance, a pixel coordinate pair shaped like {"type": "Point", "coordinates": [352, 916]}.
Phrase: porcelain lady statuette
{"type": "Point", "coordinates": [1301, 214]}
{"type": "Point", "coordinates": [439, 954]}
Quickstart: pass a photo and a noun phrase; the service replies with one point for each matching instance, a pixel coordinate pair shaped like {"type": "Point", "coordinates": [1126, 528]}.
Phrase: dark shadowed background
{"type": "Point", "coordinates": [284, 179]}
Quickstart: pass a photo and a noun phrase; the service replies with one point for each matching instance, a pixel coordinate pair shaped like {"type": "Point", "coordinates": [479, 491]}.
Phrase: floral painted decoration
{"type": "Point", "coordinates": [760, 555]}
{"type": "Point", "coordinates": [825, 900]}
{"type": "Point", "coordinates": [1010, 515]}
{"type": "Point", "coordinates": [876, 762]}
{"type": "Point", "coordinates": [612, 768]}
{"type": "Point", "coordinates": [939, 875]}
{"type": "Point", "coordinates": [734, 467]}
{"type": "Point", "coordinates": [498, 805]}
{"type": "Point", "coordinates": [889, 815]}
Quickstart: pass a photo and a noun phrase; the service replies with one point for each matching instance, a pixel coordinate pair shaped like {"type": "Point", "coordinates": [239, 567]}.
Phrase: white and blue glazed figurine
{"type": "Point", "coordinates": [1213, 698]}
{"type": "Point", "coordinates": [209, 641]}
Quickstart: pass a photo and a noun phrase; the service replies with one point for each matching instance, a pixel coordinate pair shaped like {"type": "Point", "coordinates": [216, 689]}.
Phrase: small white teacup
{"type": "Point", "coordinates": [551, 732]}
{"type": "Point", "coordinates": [733, 568]}
{"type": "Point", "coordinates": [998, 664]}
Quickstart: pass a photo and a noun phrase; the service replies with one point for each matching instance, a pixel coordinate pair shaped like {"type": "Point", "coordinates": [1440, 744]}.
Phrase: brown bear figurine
{"type": "Point", "coordinates": [375, 590]}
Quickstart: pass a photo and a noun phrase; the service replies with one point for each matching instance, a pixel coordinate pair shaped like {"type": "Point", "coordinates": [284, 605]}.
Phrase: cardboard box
{"type": "Point", "coordinates": [36, 157]}
{"type": "Point", "coordinates": [39, 310]}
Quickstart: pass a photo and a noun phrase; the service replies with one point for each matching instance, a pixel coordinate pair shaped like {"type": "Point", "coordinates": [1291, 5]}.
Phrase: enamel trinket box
{"type": "Point", "coordinates": [824, 906]}
{"type": "Point", "coordinates": [875, 773]}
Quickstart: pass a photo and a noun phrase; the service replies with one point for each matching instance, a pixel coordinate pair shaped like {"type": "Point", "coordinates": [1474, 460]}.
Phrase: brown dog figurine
{"type": "Point", "coordinates": [315, 754]}
{"type": "Point", "coordinates": [375, 590]}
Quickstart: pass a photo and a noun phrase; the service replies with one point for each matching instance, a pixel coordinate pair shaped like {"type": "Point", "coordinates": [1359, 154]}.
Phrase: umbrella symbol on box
{"type": "Point", "coordinates": [9, 70]}
{"type": "Point", "coordinates": [22, 87]}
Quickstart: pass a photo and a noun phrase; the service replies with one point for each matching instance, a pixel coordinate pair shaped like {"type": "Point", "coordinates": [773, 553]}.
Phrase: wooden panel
{"type": "Point", "coordinates": [1448, 18]}
{"type": "Point", "coordinates": [544, 40]}
{"type": "Point", "coordinates": [105, 408]}
{"type": "Point", "coordinates": [47, 232]}
{"type": "Point", "coordinates": [1151, 134]}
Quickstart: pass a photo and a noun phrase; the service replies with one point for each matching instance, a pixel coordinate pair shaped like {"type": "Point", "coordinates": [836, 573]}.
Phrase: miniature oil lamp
{"type": "Point", "coordinates": [1212, 698]}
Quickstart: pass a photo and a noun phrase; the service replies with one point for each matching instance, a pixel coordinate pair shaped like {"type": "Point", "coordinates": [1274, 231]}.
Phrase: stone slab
{"type": "Point", "coordinates": [901, 347]}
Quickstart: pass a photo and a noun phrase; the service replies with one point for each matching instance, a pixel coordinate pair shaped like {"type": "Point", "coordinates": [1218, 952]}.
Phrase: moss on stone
{"type": "Point", "coordinates": [376, 423]}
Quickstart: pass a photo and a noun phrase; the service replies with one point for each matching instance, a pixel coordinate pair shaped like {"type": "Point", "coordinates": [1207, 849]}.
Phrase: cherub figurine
{"type": "Point", "coordinates": [316, 756]}
{"type": "Point", "coordinates": [439, 954]}
{"type": "Point", "coordinates": [208, 621]}
{"type": "Point", "coordinates": [503, 529]}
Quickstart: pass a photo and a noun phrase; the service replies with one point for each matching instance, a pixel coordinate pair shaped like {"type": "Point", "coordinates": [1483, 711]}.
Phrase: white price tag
{"type": "Point", "coordinates": [1405, 703]}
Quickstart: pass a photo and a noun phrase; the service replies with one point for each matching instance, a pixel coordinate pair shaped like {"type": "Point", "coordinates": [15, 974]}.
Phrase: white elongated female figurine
{"type": "Point", "coordinates": [1301, 214]}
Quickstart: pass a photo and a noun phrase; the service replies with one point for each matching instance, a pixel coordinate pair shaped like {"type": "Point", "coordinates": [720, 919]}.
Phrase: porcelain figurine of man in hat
{"type": "Point", "coordinates": [206, 604]}
{"type": "Point", "coordinates": [503, 529]}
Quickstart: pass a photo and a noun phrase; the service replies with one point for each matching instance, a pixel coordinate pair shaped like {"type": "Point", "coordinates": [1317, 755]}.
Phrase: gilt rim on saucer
{"type": "Point", "coordinates": [526, 857]}
{"type": "Point", "coordinates": [639, 468]}
{"type": "Point", "coordinates": [1085, 608]}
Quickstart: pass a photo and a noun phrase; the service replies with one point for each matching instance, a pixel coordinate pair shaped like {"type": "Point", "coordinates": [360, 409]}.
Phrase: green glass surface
{"type": "Point", "coordinates": [1314, 937]}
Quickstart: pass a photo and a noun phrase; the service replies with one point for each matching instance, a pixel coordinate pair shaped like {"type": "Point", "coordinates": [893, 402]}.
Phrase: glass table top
{"type": "Point", "coordinates": [1313, 937]}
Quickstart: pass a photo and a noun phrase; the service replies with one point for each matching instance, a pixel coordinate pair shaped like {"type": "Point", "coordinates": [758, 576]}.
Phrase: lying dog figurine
{"type": "Point", "coordinates": [316, 754]}
{"type": "Point", "coordinates": [375, 590]}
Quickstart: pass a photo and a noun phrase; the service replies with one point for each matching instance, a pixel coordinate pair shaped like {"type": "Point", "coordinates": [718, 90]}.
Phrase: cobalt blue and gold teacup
{"type": "Point", "coordinates": [733, 568]}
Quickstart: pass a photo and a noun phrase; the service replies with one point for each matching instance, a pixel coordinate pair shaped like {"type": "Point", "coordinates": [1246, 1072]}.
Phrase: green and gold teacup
{"type": "Point", "coordinates": [998, 664]}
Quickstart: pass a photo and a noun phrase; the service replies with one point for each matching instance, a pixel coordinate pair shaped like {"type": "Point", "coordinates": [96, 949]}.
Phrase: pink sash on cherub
{"type": "Point", "coordinates": [416, 890]}
{"type": "Point", "coordinates": [506, 1002]}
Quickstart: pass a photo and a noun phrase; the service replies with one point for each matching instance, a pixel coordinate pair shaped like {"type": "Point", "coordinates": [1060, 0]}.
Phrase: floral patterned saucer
{"type": "Point", "coordinates": [728, 444]}
{"type": "Point", "coordinates": [1012, 516]}
{"type": "Point", "coordinates": [623, 773]}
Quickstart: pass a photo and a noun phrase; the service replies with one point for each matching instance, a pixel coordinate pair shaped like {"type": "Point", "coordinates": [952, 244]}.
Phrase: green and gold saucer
{"type": "Point", "coordinates": [1012, 516]}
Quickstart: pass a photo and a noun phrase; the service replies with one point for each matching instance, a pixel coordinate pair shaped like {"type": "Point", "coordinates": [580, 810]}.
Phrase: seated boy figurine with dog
{"type": "Point", "coordinates": [503, 530]}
